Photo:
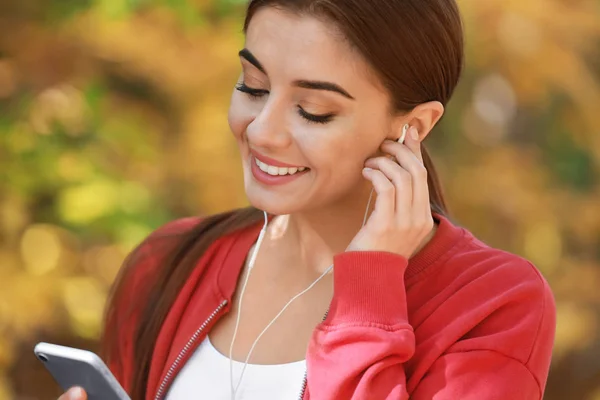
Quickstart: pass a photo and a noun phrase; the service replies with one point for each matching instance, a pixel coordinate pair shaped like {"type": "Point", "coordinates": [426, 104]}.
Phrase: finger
{"type": "Point", "coordinates": [410, 163]}
{"type": "Point", "coordinates": [413, 142]}
{"type": "Point", "coordinates": [74, 393]}
{"type": "Point", "coordinates": [384, 204]}
{"type": "Point", "coordinates": [403, 155]}
{"type": "Point", "coordinates": [82, 394]}
{"type": "Point", "coordinates": [402, 181]}
{"type": "Point", "coordinates": [422, 208]}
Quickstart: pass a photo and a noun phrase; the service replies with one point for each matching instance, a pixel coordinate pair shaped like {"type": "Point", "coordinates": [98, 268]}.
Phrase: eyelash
{"type": "Point", "coordinates": [257, 93]}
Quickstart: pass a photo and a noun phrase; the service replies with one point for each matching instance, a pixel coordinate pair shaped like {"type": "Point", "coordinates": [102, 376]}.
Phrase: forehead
{"type": "Point", "coordinates": [304, 47]}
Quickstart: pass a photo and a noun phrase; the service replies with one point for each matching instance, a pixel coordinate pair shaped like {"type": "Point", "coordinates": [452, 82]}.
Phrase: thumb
{"type": "Point", "coordinates": [413, 142]}
{"type": "Point", "coordinates": [75, 393]}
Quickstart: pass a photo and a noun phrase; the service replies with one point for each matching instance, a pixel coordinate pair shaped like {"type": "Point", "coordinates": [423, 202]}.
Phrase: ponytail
{"type": "Point", "coordinates": [436, 194]}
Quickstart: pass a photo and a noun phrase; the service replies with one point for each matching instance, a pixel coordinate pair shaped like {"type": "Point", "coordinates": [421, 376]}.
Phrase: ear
{"type": "Point", "coordinates": [423, 117]}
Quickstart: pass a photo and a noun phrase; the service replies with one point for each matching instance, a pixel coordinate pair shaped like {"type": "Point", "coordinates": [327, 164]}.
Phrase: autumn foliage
{"type": "Point", "coordinates": [113, 121]}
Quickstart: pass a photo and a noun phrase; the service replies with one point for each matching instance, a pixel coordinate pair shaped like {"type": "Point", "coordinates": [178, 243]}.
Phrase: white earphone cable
{"type": "Point", "coordinates": [273, 321]}
{"type": "Point", "coordinates": [261, 236]}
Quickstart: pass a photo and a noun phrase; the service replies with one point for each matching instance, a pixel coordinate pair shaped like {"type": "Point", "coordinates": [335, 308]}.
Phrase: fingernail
{"type": "Point", "coordinates": [367, 169]}
{"type": "Point", "coordinates": [75, 393]}
{"type": "Point", "coordinates": [414, 134]}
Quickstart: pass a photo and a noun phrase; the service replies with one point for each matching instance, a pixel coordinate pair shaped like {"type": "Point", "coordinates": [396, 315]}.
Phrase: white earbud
{"type": "Point", "coordinates": [404, 130]}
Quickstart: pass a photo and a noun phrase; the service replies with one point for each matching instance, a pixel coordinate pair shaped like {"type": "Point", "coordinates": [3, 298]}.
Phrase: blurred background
{"type": "Point", "coordinates": [113, 121]}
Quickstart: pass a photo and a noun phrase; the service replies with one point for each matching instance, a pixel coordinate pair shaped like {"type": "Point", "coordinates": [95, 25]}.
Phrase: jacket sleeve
{"type": "Point", "coordinates": [505, 356]}
{"type": "Point", "coordinates": [360, 351]}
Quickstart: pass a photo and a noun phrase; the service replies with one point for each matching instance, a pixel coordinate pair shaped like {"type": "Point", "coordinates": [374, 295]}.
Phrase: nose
{"type": "Point", "coordinates": [269, 129]}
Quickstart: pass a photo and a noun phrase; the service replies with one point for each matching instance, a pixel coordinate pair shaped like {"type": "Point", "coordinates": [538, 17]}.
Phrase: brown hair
{"type": "Point", "coordinates": [416, 49]}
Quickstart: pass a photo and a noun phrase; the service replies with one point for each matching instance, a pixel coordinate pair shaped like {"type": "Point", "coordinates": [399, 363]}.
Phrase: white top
{"type": "Point", "coordinates": [206, 376]}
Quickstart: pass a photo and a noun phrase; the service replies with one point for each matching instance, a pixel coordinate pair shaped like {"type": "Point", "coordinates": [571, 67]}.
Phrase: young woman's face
{"type": "Point", "coordinates": [306, 100]}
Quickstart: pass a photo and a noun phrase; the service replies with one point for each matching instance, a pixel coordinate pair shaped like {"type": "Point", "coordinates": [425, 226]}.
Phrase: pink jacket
{"type": "Point", "coordinates": [460, 320]}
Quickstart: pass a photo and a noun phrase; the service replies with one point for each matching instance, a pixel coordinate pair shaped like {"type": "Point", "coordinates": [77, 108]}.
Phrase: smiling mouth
{"type": "Point", "coordinates": [278, 171]}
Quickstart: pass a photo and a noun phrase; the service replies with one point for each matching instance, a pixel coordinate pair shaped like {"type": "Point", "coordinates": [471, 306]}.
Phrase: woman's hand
{"type": "Point", "coordinates": [402, 215]}
{"type": "Point", "coordinates": [75, 393]}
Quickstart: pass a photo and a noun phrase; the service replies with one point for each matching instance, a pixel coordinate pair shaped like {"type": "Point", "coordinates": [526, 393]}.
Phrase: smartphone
{"type": "Point", "coordinates": [75, 367]}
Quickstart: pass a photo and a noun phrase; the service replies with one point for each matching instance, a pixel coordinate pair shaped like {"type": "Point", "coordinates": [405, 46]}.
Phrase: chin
{"type": "Point", "coordinates": [270, 201]}
{"type": "Point", "coordinates": [276, 199]}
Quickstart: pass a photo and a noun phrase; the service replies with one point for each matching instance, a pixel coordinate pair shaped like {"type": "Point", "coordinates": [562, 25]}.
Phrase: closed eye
{"type": "Point", "coordinates": [252, 92]}
{"type": "Point", "coordinates": [258, 93]}
{"type": "Point", "coordinates": [319, 119]}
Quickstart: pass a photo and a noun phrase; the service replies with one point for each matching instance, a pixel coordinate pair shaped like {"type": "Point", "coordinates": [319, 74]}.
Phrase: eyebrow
{"type": "Point", "coordinates": [315, 85]}
{"type": "Point", "coordinates": [246, 54]}
{"type": "Point", "coordinates": [319, 85]}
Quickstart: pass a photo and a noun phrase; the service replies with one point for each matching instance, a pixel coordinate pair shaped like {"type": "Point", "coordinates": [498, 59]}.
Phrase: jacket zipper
{"type": "Point", "coordinates": [303, 390]}
{"type": "Point", "coordinates": [161, 389]}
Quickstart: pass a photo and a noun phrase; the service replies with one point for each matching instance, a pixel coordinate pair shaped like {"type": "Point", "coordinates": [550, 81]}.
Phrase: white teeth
{"type": "Point", "coordinates": [263, 167]}
{"type": "Point", "coordinates": [277, 171]}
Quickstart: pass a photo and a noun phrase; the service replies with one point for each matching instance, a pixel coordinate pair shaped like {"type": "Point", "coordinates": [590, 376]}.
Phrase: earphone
{"type": "Point", "coordinates": [404, 131]}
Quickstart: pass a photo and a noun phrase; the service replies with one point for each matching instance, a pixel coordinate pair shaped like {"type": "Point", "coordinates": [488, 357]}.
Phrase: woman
{"type": "Point", "coordinates": [382, 299]}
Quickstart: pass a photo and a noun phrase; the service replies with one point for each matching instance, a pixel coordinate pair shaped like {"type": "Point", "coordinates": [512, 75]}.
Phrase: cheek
{"type": "Point", "coordinates": [356, 143]}
{"type": "Point", "coordinates": [240, 115]}
{"type": "Point", "coordinates": [371, 129]}
{"type": "Point", "coordinates": [335, 153]}
{"type": "Point", "coordinates": [343, 152]}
